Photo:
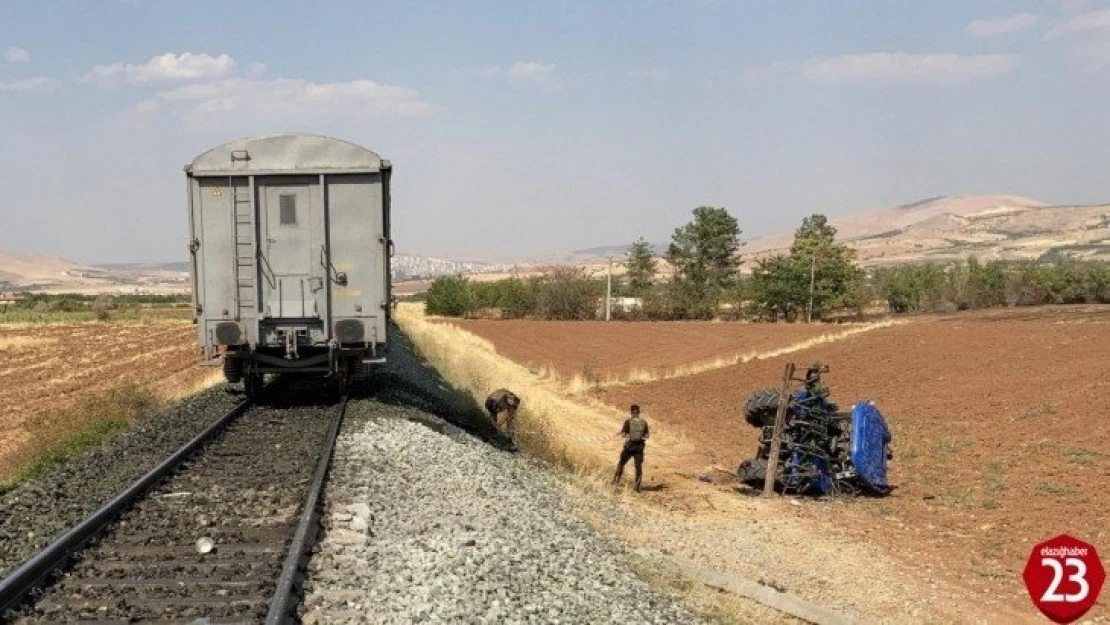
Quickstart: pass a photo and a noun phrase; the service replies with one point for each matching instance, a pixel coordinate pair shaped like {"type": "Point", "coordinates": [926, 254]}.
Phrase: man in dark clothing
{"type": "Point", "coordinates": [635, 432]}
{"type": "Point", "coordinates": [503, 400]}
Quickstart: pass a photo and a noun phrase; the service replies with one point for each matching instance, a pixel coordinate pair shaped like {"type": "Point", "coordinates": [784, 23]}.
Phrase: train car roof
{"type": "Point", "coordinates": [286, 154]}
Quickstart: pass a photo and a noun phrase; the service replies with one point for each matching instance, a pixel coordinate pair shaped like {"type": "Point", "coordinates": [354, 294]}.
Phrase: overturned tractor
{"type": "Point", "coordinates": [822, 450]}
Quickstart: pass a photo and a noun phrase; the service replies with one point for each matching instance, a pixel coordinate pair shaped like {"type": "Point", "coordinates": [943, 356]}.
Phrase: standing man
{"type": "Point", "coordinates": [635, 432]}
{"type": "Point", "coordinates": [503, 400]}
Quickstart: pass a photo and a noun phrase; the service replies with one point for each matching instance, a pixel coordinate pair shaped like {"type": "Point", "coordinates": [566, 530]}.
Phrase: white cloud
{"type": "Point", "coordinates": [1086, 23]}
{"type": "Point", "coordinates": [525, 71]}
{"type": "Point", "coordinates": [16, 55]}
{"type": "Point", "coordinates": [906, 68]}
{"type": "Point", "coordinates": [39, 83]}
{"type": "Point", "coordinates": [284, 100]}
{"type": "Point", "coordinates": [651, 74]}
{"type": "Point", "coordinates": [530, 70]}
{"type": "Point", "coordinates": [1001, 25]}
{"type": "Point", "coordinates": [168, 66]}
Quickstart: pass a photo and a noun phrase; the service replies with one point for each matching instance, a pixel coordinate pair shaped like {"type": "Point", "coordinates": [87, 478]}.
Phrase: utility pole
{"type": "Point", "coordinates": [609, 289]}
{"type": "Point", "coordinates": [812, 276]}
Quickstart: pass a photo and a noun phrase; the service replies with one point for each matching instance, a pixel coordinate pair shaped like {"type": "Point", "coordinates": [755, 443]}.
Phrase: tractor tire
{"type": "Point", "coordinates": [762, 407]}
{"type": "Point", "coordinates": [753, 472]}
{"type": "Point", "coordinates": [233, 369]}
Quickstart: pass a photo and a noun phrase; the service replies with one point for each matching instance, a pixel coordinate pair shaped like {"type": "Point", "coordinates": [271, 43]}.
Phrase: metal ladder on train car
{"type": "Point", "coordinates": [242, 214]}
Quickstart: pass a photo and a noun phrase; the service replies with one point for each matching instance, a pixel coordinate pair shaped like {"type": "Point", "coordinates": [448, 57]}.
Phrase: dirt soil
{"type": "Point", "coordinates": [52, 366]}
{"type": "Point", "coordinates": [604, 349]}
{"type": "Point", "coordinates": [999, 438]}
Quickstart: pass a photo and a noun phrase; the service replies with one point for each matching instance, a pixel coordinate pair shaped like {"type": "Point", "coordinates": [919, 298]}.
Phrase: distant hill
{"type": "Point", "coordinates": [869, 223]}
{"type": "Point", "coordinates": [182, 266]}
{"type": "Point", "coordinates": [945, 228]}
{"type": "Point", "coordinates": [991, 227]}
{"type": "Point", "coordinates": [43, 272]}
{"type": "Point", "coordinates": [1047, 233]}
{"type": "Point", "coordinates": [28, 270]}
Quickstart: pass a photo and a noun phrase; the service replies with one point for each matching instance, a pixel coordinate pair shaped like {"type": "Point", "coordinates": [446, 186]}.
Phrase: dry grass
{"type": "Point", "coordinates": [578, 433]}
{"type": "Point", "coordinates": [60, 434]}
{"type": "Point", "coordinates": [57, 435]}
{"type": "Point", "coordinates": [174, 390]}
{"type": "Point", "coordinates": [21, 343]}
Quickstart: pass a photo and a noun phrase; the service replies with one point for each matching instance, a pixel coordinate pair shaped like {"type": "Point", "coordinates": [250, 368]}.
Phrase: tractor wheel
{"type": "Point", "coordinates": [753, 472]}
{"type": "Point", "coordinates": [233, 369]}
{"type": "Point", "coordinates": [761, 407]}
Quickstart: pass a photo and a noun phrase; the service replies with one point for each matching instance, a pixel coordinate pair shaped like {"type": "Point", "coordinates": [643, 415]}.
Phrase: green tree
{"type": "Point", "coordinates": [703, 253]}
{"type": "Point", "coordinates": [448, 296]}
{"type": "Point", "coordinates": [829, 265]}
{"type": "Point", "coordinates": [641, 267]}
{"type": "Point", "coordinates": [568, 293]}
{"type": "Point", "coordinates": [516, 298]}
{"type": "Point", "coordinates": [911, 288]}
{"type": "Point", "coordinates": [779, 287]}
{"type": "Point", "coordinates": [781, 284]}
{"type": "Point", "coordinates": [815, 234]}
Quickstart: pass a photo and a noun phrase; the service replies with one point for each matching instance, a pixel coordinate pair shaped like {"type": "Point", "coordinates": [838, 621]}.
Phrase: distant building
{"type": "Point", "coordinates": [620, 305]}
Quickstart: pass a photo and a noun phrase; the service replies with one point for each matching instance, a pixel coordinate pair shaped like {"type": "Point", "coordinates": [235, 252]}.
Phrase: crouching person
{"type": "Point", "coordinates": [635, 433]}
{"type": "Point", "coordinates": [503, 401]}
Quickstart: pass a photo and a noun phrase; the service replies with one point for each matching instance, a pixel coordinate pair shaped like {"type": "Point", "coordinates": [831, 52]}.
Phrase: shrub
{"type": "Point", "coordinates": [449, 296]}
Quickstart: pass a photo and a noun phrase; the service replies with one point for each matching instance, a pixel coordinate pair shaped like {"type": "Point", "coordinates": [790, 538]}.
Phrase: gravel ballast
{"type": "Point", "coordinates": [421, 526]}
{"type": "Point", "coordinates": [45, 507]}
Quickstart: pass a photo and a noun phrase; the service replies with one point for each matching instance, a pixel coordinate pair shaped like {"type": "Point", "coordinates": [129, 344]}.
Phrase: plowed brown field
{"type": "Point", "coordinates": [1002, 435]}
{"type": "Point", "coordinates": [45, 367]}
{"type": "Point", "coordinates": [571, 348]}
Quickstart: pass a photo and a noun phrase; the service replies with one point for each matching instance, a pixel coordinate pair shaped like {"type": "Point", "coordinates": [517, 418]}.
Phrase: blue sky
{"type": "Point", "coordinates": [526, 128]}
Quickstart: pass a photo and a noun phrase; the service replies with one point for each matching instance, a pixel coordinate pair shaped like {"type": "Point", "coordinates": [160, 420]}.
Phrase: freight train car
{"type": "Point", "coordinates": [290, 248]}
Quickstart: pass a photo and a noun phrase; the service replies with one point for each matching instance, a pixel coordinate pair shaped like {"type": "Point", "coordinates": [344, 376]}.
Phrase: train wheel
{"type": "Point", "coordinates": [233, 369]}
{"type": "Point", "coordinates": [343, 377]}
{"type": "Point", "coordinates": [252, 384]}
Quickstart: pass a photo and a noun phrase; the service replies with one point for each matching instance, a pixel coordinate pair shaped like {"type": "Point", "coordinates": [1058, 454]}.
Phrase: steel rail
{"type": "Point", "coordinates": [31, 573]}
{"type": "Point", "coordinates": [283, 599]}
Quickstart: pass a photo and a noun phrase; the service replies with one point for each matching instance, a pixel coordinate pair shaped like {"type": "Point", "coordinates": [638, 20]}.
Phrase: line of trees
{"type": "Point", "coordinates": [817, 277]}
{"type": "Point", "coordinates": [566, 293]}
{"type": "Point", "coordinates": [973, 284]}
{"type": "Point", "coordinates": [73, 302]}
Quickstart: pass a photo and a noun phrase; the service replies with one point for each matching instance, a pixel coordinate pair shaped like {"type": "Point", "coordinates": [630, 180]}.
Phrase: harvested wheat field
{"type": "Point", "coordinates": [47, 367]}
{"type": "Point", "coordinates": [600, 353]}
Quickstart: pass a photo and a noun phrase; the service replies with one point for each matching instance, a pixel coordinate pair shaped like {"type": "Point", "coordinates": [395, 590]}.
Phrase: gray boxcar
{"type": "Point", "coordinates": [290, 248]}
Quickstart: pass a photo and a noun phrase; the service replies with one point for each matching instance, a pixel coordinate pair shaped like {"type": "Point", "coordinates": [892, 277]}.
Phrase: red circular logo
{"type": "Point", "coordinates": [1064, 576]}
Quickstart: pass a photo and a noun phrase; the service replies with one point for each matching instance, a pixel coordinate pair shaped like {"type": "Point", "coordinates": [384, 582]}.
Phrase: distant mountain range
{"type": "Point", "coordinates": [934, 229]}
{"type": "Point", "coordinates": [56, 274]}
{"type": "Point", "coordinates": [946, 228]}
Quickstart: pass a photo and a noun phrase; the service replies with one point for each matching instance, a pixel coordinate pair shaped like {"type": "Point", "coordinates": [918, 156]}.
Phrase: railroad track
{"type": "Point", "coordinates": [216, 531]}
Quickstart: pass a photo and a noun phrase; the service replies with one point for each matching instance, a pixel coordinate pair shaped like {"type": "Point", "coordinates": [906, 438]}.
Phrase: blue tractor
{"type": "Point", "coordinates": [823, 449]}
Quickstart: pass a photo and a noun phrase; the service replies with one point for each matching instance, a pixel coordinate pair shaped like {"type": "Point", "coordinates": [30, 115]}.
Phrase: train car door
{"type": "Point", "coordinates": [291, 240]}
